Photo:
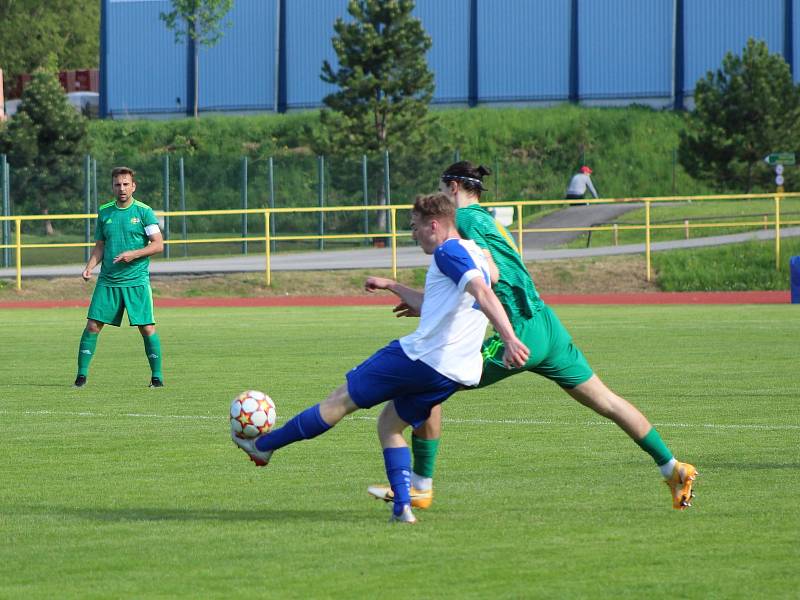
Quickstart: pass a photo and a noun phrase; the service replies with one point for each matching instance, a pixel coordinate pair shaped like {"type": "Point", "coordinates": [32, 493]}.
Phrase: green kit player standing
{"type": "Point", "coordinates": [552, 352]}
{"type": "Point", "coordinates": [127, 235]}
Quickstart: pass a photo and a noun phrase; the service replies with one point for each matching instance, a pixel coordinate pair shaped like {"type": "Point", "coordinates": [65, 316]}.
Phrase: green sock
{"type": "Point", "coordinates": [152, 347]}
{"type": "Point", "coordinates": [655, 447]}
{"type": "Point", "coordinates": [424, 455]}
{"type": "Point", "coordinates": [86, 351]}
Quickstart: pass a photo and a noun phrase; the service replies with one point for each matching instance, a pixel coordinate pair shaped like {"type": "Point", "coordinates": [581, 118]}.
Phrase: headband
{"type": "Point", "coordinates": [446, 176]}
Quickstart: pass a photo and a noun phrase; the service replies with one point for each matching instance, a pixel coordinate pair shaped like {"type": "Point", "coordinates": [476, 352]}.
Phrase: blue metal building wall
{"type": "Point", "coordinates": [716, 27]}
{"type": "Point", "coordinates": [523, 50]}
{"type": "Point", "coordinates": [309, 29]}
{"type": "Point", "coordinates": [625, 49]}
{"type": "Point", "coordinates": [795, 36]}
{"type": "Point", "coordinates": [483, 51]}
{"type": "Point", "coordinates": [447, 22]}
{"type": "Point", "coordinates": [238, 73]}
{"type": "Point", "coordinates": [146, 70]}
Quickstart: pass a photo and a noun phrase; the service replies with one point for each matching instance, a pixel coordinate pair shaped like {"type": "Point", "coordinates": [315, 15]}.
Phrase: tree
{"type": "Point", "coordinates": [200, 21]}
{"type": "Point", "coordinates": [32, 30]}
{"type": "Point", "coordinates": [45, 143]}
{"type": "Point", "coordinates": [746, 110]}
{"type": "Point", "coordinates": [384, 82]}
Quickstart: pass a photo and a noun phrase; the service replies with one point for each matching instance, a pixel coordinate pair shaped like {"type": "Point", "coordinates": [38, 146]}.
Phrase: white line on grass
{"type": "Point", "coordinates": [544, 423]}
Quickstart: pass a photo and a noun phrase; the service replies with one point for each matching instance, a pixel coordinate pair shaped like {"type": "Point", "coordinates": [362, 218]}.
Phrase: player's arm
{"type": "Point", "coordinates": [516, 353]}
{"type": "Point", "coordinates": [95, 258]}
{"type": "Point", "coordinates": [404, 310]}
{"type": "Point", "coordinates": [155, 246]}
{"type": "Point", "coordinates": [494, 272]}
{"type": "Point", "coordinates": [411, 298]}
{"type": "Point", "coordinates": [590, 185]}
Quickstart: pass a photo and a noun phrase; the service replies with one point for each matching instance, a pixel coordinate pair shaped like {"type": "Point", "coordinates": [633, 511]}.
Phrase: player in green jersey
{"type": "Point", "coordinates": [126, 236]}
{"type": "Point", "coordinates": [552, 352]}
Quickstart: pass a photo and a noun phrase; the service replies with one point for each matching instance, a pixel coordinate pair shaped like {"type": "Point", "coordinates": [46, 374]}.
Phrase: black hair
{"type": "Point", "coordinates": [467, 175]}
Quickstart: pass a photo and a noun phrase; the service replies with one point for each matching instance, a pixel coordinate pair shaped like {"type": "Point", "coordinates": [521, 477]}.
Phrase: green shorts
{"type": "Point", "coordinates": [553, 355]}
{"type": "Point", "coordinates": [109, 302]}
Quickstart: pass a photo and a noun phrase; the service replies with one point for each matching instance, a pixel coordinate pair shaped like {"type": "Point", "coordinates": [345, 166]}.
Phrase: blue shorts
{"type": "Point", "coordinates": [390, 374]}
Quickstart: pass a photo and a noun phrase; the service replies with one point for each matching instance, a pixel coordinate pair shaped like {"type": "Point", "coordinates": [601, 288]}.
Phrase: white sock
{"type": "Point", "coordinates": [667, 468]}
{"type": "Point", "coordinates": [423, 484]}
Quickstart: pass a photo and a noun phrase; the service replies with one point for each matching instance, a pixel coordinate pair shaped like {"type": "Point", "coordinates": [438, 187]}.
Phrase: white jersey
{"type": "Point", "coordinates": [451, 326]}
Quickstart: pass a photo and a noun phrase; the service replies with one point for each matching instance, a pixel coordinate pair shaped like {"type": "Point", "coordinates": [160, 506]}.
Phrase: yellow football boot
{"type": "Point", "coordinates": [681, 483]}
{"type": "Point", "coordinates": [419, 498]}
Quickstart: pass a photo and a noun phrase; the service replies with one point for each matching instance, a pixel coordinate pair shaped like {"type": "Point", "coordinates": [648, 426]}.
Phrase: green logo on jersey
{"type": "Point", "coordinates": [492, 349]}
{"type": "Point", "coordinates": [108, 221]}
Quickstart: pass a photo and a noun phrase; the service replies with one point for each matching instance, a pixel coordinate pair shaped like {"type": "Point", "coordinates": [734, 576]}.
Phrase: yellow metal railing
{"type": "Point", "coordinates": [393, 234]}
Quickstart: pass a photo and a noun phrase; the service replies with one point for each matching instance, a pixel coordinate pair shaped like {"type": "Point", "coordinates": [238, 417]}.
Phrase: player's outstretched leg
{"type": "Point", "coordinates": [313, 421]}
{"type": "Point", "coordinates": [679, 476]}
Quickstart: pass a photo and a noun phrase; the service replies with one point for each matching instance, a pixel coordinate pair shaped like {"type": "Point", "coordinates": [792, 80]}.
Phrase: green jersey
{"type": "Point", "coordinates": [515, 289]}
{"type": "Point", "coordinates": [123, 229]}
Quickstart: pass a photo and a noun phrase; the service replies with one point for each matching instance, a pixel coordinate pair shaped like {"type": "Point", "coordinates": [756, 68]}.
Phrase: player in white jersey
{"type": "Point", "coordinates": [422, 369]}
{"type": "Point", "coordinates": [449, 323]}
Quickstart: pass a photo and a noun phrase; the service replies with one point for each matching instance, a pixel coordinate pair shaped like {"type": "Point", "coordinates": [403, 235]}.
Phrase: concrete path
{"type": "Point", "coordinates": [578, 215]}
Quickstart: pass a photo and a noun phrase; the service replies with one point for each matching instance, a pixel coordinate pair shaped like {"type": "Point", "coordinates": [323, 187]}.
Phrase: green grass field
{"type": "Point", "coordinates": [116, 490]}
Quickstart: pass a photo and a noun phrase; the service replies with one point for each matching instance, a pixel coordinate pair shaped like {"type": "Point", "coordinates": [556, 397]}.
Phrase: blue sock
{"type": "Point", "coordinates": [398, 469]}
{"type": "Point", "coordinates": [303, 426]}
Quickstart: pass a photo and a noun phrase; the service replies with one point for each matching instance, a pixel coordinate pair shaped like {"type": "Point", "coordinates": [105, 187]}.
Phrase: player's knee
{"type": "Point", "coordinates": [93, 326]}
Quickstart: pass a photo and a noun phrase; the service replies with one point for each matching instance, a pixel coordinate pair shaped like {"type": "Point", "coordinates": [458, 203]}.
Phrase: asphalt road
{"type": "Point", "coordinates": [536, 246]}
{"type": "Point", "coordinates": [577, 215]}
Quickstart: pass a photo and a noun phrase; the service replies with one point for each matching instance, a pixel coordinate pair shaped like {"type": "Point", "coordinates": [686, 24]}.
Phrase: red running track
{"type": "Point", "coordinates": [769, 297]}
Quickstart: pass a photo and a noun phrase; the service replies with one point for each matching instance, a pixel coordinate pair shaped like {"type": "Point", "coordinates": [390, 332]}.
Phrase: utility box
{"type": "Point", "coordinates": [794, 278]}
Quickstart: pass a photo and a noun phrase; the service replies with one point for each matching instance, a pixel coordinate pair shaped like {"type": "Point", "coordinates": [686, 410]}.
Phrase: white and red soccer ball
{"type": "Point", "coordinates": [252, 414]}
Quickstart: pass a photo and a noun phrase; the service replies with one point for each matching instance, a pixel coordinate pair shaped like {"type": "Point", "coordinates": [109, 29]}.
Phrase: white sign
{"type": "Point", "coordinates": [779, 180]}
{"type": "Point", "coordinates": [778, 169]}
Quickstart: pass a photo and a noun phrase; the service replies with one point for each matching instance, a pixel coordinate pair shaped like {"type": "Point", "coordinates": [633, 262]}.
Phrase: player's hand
{"type": "Point", "coordinates": [87, 274]}
{"type": "Point", "coordinates": [373, 284]}
{"type": "Point", "coordinates": [405, 310]}
{"type": "Point", "coordinates": [126, 257]}
{"type": "Point", "coordinates": [516, 354]}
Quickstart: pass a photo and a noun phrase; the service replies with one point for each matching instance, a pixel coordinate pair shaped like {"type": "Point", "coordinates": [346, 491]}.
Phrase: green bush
{"type": "Point", "coordinates": [532, 151]}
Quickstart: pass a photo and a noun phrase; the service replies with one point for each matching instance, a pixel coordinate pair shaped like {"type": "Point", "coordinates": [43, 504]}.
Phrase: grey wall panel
{"type": "Point", "coordinates": [309, 30]}
{"type": "Point", "coordinates": [447, 22]}
{"type": "Point", "coordinates": [523, 50]}
{"type": "Point", "coordinates": [147, 70]}
{"type": "Point", "coordinates": [239, 72]}
{"type": "Point", "coordinates": [625, 48]}
{"type": "Point", "coordinates": [716, 27]}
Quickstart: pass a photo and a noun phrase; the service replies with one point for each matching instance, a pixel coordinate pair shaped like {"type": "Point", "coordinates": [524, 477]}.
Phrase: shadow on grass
{"type": "Point", "coordinates": [222, 515]}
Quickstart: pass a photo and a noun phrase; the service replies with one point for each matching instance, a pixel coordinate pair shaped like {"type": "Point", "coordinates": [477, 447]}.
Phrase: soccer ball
{"type": "Point", "coordinates": [252, 413]}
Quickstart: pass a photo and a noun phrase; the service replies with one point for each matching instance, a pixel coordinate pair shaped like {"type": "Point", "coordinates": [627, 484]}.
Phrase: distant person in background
{"type": "Point", "coordinates": [127, 234]}
{"type": "Point", "coordinates": [579, 183]}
